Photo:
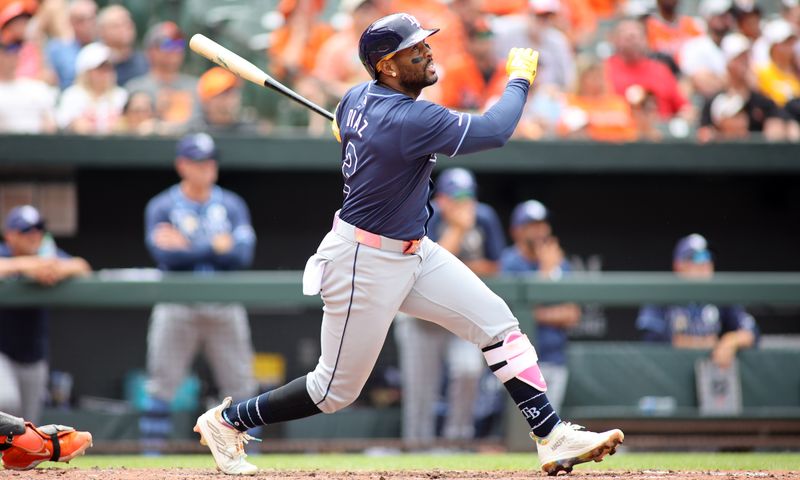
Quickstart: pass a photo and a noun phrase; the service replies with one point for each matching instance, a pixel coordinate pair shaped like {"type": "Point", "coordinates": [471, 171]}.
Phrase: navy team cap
{"type": "Point", "coordinates": [692, 248]}
{"type": "Point", "coordinates": [457, 183]}
{"type": "Point", "coordinates": [23, 219]}
{"type": "Point", "coordinates": [197, 146]}
{"type": "Point", "coordinates": [529, 211]}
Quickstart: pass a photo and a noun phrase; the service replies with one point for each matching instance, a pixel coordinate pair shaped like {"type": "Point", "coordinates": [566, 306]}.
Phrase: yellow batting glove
{"type": "Point", "coordinates": [522, 63]}
{"type": "Point", "coordinates": [335, 131]}
{"type": "Point", "coordinates": [335, 126]}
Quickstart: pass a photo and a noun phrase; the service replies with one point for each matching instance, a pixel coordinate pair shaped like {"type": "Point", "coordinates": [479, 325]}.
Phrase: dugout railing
{"type": "Point", "coordinates": [607, 380]}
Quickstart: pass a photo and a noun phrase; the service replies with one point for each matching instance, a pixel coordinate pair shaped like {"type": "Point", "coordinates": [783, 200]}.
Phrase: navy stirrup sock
{"type": "Point", "coordinates": [285, 403]}
{"type": "Point", "coordinates": [533, 403]}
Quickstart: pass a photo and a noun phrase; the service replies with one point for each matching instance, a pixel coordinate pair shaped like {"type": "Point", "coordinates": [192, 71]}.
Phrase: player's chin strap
{"type": "Point", "coordinates": [516, 358]}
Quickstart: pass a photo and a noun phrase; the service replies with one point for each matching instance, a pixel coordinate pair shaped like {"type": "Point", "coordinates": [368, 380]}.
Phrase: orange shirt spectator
{"type": "Point", "coordinates": [296, 44]}
{"type": "Point", "coordinates": [470, 79]}
{"type": "Point", "coordinates": [464, 86]}
{"type": "Point", "coordinates": [451, 39]}
{"type": "Point", "coordinates": [605, 9]}
{"type": "Point", "coordinates": [580, 21]}
{"type": "Point", "coordinates": [338, 66]}
{"type": "Point", "coordinates": [604, 116]}
{"type": "Point", "coordinates": [667, 31]}
{"type": "Point", "coordinates": [504, 7]}
{"type": "Point", "coordinates": [14, 19]}
{"type": "Point", "coordinates": [608, 117]}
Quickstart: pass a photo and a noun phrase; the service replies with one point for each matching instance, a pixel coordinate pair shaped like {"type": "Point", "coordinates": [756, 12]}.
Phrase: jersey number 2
{"type": "Point", "coordinates": [349, 165]}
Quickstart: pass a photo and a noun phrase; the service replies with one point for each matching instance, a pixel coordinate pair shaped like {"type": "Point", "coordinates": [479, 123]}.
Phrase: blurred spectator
{"type": "Point", "coordinates": [667, 30]}
{"type": "Point", "coordinates": [471, 78]}
{"type": "Point", "coordinates": [723, 329]}
{"type": "Point", "coordinates": [702, 60]}
{"type": "Point", "coordinates": [778, 78]}
{"type": "Point", "coordinates": [28, 252]}
{"type": "Point", "coordinates": [196, 226]}
{"type": "Point", "coordinates": [607, 9]}
{"type": "Point", "coordinates": [748, 22]}
{"type": "Point", "coordinates": [738, 110]}
{"type": "Point", "coordinates": [596, 113]}
{"type": "Point", "coordinates": [118, 32]}
{"type": "Point", "coordinates": [536, 251]}
{"type": "Point", "coordinates": [452, 36]}
{"type": "Point", "coordinates": [175, 92]}
{"type": "Point", "coordinates": [536, 30]}
{"type": "Point", "coordinates": [748, 18]}
{"type": "Point", "coordinates": [94, 103]}
{"type": "Point", "coordinates": [542, 113]}
{"type": "Point", "coordinates": [26, 105]}
{"type": "Point", "coordinates": [138, 116]}
{"type": "Point", "coordinates": [503, 7]}
{"type": "Point", "coordinates": [630, 66]}
{"type": "Point", "coordinates": [578, 21]}
{"type": "Point", "coordinates": [220, 94]}
{"type": "Point", "coordinates": [644, 108]}
{"type": "Point", "coordinates": [15, 20]}
{"type": "Point", "coordinates": [294, 47]}
{"type": "Point", "coordinates": [790, 11]}
{"type": "Point", "coordinates": [61, 53]}
{"type": "Point", "coordinates": [337, 67]}
{"type": "Point", "coordinates": [471, 231]}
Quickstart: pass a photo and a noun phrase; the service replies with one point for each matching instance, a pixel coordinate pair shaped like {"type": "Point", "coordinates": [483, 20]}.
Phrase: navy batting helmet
{"type": "Point", "coordinates": [388, 35]}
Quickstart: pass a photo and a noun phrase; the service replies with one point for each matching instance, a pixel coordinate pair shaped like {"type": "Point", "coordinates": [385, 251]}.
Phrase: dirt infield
{"type": "Point", "coordinates": [198, 474]}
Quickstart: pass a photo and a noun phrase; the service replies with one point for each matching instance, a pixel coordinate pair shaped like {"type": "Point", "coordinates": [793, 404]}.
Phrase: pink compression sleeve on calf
{"type": "Point", "coordinates": [520, 361]}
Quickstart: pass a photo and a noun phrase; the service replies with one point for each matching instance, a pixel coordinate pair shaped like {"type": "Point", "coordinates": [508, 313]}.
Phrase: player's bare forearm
{"type": "Point", "coordinates": [73, 267]}
{"type": "Point", "coordinates": [739, 339]}
{"type": "Point", "coordinates": [682, 340]}
{"type": "Point", "coordinates": [564, 315]}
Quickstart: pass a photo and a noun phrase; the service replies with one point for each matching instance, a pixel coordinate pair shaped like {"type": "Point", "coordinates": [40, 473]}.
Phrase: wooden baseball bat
{"type": "Point", "coordinates": [246, 70]}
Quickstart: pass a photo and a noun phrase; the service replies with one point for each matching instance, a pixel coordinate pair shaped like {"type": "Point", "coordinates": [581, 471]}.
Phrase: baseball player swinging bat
{"type": "Point", "coordinates": [246, 70]}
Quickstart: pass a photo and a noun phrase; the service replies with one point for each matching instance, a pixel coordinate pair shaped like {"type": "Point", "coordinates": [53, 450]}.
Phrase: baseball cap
{"type": "Point", "coordinates": [24, 218]}
{"type": "Point", "coordinates": [733, 45]}
{"type": "Point", "coordinates": [544, 6]}
{"type": "Point", "coordinates": [778, 31]}
{"type": "Point", "coordinates": [712, 8]}
{"type": "Point", "coordinates": [215, 81]}
{"type": "Point", "coordinates": [197, 146]}
{"type": "Point", "coordinates": [92, 56]}
{"type": "Point", "coordinates": [457, 183]}
{"type": "Point", "coordinates": [11, 11]}
{"type": "Point", "coordinates": [18, 8]}
{"type": "Point", "coordinates": [165, 36]}
{"type": "Point", "coordinates": [726, 105]}
{"type": "Point", "coordinates": [692, 248]}
{"type": "Point", "coordinates": [529, 211]}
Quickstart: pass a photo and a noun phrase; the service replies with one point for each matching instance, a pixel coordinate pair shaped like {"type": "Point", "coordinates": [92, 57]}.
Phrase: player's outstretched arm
{"type": "Point", "coordinates": [498, 123]}
{"type": "Point", "coordinates": [431, 128]}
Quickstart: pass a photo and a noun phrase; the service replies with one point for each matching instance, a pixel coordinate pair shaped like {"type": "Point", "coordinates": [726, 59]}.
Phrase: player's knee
{"type": "Point", "coordinates": [336, 401]}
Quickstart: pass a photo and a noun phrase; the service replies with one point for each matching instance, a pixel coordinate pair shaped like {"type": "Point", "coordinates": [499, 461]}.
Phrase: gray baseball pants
{"type": "Point", "coordinates": [364, 287]}
{"type": "Point", "coordinates": [177, 332]}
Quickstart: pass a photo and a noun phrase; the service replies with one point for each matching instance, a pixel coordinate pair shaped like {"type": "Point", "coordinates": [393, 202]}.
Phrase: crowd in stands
{"type": "Point", "coordinates": [609, 70]}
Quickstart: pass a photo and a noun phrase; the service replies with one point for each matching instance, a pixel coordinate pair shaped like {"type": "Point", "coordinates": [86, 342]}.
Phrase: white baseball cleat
{"type": "Point", "coordinates": [225, 442]}
{"type": "Point", "coordinates": [569, 444]}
